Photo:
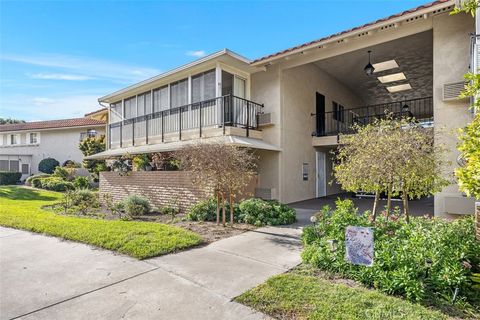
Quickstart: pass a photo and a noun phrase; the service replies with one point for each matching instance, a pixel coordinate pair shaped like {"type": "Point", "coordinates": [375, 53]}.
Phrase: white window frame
{"type": "Point", "coordinates": [18, 139]}
{"type": "Point", "coordinates": [29, 136]}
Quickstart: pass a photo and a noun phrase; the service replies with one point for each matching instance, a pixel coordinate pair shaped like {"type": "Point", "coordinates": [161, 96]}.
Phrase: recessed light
{"type": "Point", "coordinates": [392, 77]}
{"type": "Point", "coordinates": [400, 87]}
{"type": "Point", "coordinates": [385, 65]}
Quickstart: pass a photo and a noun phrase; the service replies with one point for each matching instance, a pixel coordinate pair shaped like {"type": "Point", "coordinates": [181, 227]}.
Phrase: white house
{"type": "Point", "coordinates": [24, 145]}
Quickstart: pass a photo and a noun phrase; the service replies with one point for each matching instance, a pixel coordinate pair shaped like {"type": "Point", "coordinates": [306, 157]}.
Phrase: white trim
{"type": "Point", "coordinates": [176, 70]}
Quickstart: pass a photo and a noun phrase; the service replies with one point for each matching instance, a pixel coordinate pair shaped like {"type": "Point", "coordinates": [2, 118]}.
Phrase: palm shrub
{"type": "Point", "coordinates": [426, 258]}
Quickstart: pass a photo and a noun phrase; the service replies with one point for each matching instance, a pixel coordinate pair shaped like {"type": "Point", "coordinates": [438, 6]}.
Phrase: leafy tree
{"type": "Point", "coordinates": [90, 146]}
{"type": "Point", "coordinates": [10, 121]}
{"type": "Point", "coordinates": [395, 156]}
{"type": "Point", "coordinates": [221, 168]}
{"type": "Point", "coordinates": [469, 174]}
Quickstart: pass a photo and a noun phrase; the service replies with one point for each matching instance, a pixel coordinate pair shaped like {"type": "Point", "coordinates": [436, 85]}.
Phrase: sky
{"type": "Point", "coordinates": [58, 57]}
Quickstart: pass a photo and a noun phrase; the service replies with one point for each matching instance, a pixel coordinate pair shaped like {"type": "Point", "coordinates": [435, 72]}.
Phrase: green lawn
{"type": "Point", "coordinates": [21, 208]}
{"type": "Point", "coordinates": [299, 296]}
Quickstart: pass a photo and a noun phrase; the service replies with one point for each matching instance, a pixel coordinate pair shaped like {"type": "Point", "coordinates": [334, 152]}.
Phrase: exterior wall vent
{"type": "Point", "coordinates": [451, 91]}
{"type": "Point", "coordinates": [265, 119]}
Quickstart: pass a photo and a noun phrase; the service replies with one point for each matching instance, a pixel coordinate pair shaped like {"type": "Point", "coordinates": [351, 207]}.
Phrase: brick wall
{"type": "Point", "coordinates": [160, 187]}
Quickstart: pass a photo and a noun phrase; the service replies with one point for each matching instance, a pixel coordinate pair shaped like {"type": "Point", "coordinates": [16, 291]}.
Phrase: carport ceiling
{"type": "Point", "coordinates": [414, 55]}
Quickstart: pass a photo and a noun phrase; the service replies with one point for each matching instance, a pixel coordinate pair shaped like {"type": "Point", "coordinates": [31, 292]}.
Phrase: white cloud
{"type": "Point", "coordinates": [87, 67]}
{"type": "Point", "coordinates": [59, 76]}
{"type": "Point", "coordinates": [40, 101]}
{"type": "Point", "coordinates": [197, 53]}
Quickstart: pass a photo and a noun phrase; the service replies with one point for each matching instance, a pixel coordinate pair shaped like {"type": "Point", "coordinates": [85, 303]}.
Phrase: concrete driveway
{"type": "Point", "coordinates": [46, 278]}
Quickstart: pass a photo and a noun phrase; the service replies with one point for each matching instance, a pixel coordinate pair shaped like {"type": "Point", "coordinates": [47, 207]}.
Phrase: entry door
{"type": "Point", "coordinates": [320, 114]}
{"type": "Point", "coordinates": [321, 175]}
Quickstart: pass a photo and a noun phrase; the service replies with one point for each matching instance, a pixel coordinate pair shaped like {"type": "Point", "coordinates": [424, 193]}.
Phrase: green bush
{"type": "Point", "coordinates": [424, 259]}
{"type": "Point", "coordinates": [63, 173]}
{"type": "Point", "coordinates": [206, 210]}
{"type": "Point", "coordinates": [53, 184]}
{"type": "Point", "coordinates": [136, 205]}
{"type": "Point", "coordinates": [261, 212]}
{"type": "Point", "coordinates": [252, 211]}
{"type": "Point", "coordinates": [48, 165]}
{"type": "Point", "coordinates": [8, 177]}
{"type": "Point", "coordinates": [81, 182]}
{"type": "Point", "coordinates": [85, 200]}
{"type": "Point", "coordinates": [28, 181]}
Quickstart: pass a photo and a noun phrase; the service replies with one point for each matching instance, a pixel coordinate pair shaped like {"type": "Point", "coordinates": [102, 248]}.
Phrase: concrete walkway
{"type": "Point", "coordinates": [46, 278]}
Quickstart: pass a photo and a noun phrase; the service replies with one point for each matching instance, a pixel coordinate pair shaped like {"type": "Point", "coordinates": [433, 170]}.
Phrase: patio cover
{"type": "Point", "coordinates": [176, 145]}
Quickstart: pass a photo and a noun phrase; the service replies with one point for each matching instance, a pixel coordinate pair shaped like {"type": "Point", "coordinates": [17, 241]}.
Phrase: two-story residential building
{"type": "Point", "coordinates": [292, 105]}
{"type": "Point", "coordinates": [24, 145]}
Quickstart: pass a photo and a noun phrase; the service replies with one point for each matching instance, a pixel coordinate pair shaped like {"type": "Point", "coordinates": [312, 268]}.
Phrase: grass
{"type": "Point", "coordinates": [299, 296]}
{"type": "Point", "coordinates": [21, 208]}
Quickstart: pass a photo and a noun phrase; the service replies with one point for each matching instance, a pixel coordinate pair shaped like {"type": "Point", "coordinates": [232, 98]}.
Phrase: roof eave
{"type": "Point", "coordinates": [343, 35]}
{"type": "Point", "coordinates": [105, 99]}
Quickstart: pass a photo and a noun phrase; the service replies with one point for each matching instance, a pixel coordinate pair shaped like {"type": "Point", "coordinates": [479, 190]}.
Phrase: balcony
{"type": "Point", "coordinates": [337, 122]}
{"type": "Point", "coordinates": [191, 121]}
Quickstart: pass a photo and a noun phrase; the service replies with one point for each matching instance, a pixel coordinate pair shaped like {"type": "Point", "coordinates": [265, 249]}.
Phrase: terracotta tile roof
{"type": "Point", "coordinates": [51, 124]}
{"type": "Point", "coordinates": [96, 111]}
{"type": "Point", "coordinates": [425, 6]}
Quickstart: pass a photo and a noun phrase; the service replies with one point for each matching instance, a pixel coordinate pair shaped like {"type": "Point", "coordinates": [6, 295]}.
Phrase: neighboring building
{"type": "Point", "coordinates": [24, 145]}
{"type": "Point", "coordinates": [292, 105]}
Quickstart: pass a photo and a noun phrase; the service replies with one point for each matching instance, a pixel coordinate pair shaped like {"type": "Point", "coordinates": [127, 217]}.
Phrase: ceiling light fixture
{"type": "Point", "coordinates": [385, 65]}
{"type": "Point", "coordinates": [369, 69]}
{"type": "Point", "coordinates": [400, 87]}
{"type": "Point", "coordinates": [392, 77]}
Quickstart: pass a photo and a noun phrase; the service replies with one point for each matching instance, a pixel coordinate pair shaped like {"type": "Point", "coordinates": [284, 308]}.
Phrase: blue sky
{"type": "Point", "coordinates": [58, 57]}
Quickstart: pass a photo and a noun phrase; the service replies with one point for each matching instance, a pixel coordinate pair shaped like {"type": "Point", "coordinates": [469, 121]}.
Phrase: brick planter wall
{"type": "Point", "coordinates": [160, 187]}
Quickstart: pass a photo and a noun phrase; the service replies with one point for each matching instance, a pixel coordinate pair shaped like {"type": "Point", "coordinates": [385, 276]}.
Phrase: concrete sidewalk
{"type": "Point", "coordinates": [46, 278]}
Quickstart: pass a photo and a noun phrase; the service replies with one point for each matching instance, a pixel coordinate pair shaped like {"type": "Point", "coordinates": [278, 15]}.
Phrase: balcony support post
{"type": "Point", "coordinates": [200, 119]}
{"type": "Point", "coordinates": [180, 124]}
{"type": "Point", "coordinates": [163, 124]}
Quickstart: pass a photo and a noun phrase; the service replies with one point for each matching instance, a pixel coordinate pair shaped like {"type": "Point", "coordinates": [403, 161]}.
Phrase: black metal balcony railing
{"type": "Point", "coordinates": [225, 111]}
{"type": "Point", "coordinates": [88, 134]}
{"type": "Point", "coordinates": [342, 121]}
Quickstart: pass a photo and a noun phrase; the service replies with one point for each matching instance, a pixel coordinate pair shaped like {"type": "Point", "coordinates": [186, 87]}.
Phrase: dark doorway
{"type": "Point", "coordinates": [320, 114]}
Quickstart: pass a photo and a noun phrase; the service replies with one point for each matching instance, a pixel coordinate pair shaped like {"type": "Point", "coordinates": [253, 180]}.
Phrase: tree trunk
{"type": "Point", "coordinates": [231, 209]}
{"type": "Point", "coordinates": [389, 200]}
{"type": "Point", "coordinates": [223, 209]}
{"type": "Point", "coordinates": [218, 207]}
{"type": "Point", "coordinates": [405, 205]}
{"type": "Point", "coordinates": [375, 204]}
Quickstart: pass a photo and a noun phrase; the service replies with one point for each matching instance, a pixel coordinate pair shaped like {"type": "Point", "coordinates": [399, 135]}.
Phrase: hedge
{"type": "Point", "coordinates": [8, 177]}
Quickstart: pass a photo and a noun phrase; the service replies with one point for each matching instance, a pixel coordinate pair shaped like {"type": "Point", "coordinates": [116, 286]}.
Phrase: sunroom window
{"type": "Point", "coordinates": [179, 93]}
{"type": "Point", "coordinates": [130, 108]}
{"type": "Point", "coordinates": [160, 99]}
{"type": "Point", "coordinates": [203, 86]}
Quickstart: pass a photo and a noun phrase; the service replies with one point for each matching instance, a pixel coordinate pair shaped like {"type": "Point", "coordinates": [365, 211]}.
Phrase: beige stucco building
{"type": "Point", "coordinates": [24, 145]}
{"type": "Point", "coordinates": [292, 105]}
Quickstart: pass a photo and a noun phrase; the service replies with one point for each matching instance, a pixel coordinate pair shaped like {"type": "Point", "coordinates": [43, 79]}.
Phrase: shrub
{"type": "Point", "coordinates": [81, 182]}
{"type": "Point", "coordinates": [261, 212]}
{"type": "Point", "coordinates": [136, 205]}
{"type": "Point", "coordinates": [48, 165]}
{"type": "Point", "coordinates": [85, 200]}
{"type": "Point", "coordinates": [64, 173]}
{"type": "Point", "coordinates": [116, 208]}
{"type": "Point", "coordinates": [8, 177]}
{"type": "Point", "coordinates": [402, 251]}
{"type": "Point", "coordinates": [53, 184]}
{"type": "Point", "coordinates": [206, 210]}
{"type": "Point", "coordinates": [28, 181]}
{"type": "Point", "coordinates": [71, 164]}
